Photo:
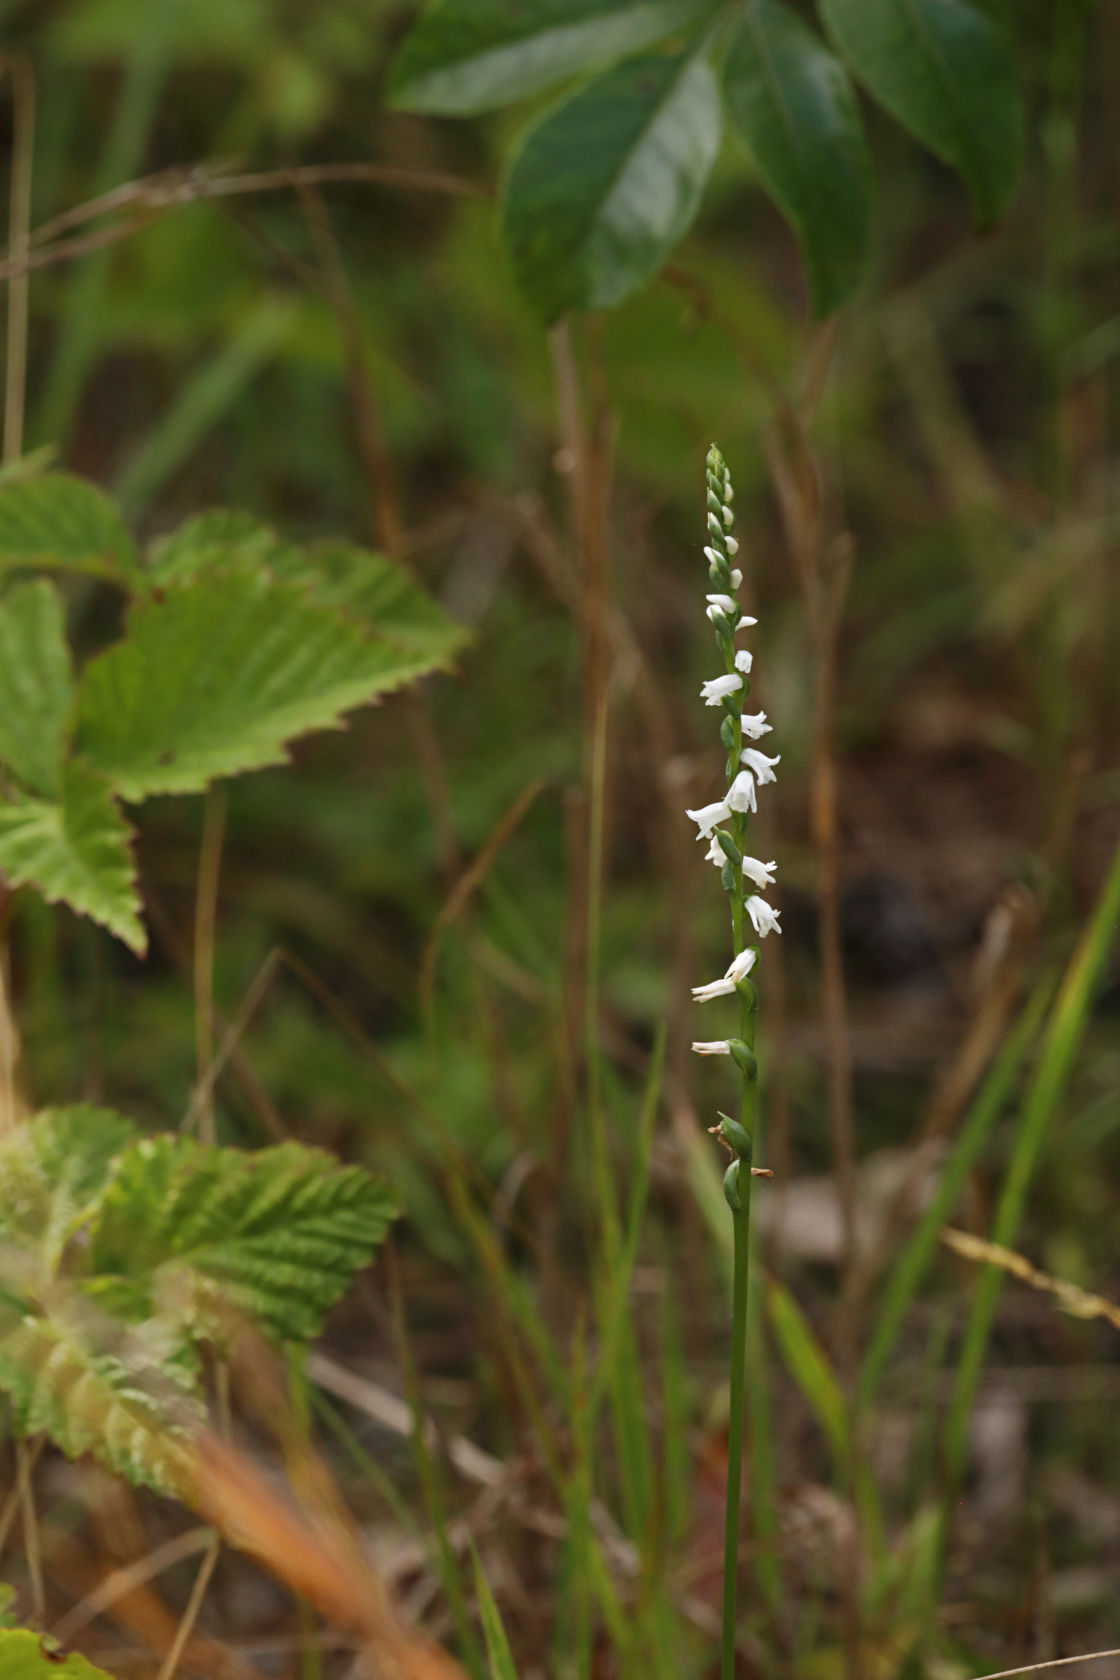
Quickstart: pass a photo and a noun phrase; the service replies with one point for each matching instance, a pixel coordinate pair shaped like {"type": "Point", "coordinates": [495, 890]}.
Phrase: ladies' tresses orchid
{"type": "Point", "coordinates": [762, 874]}
{"type": "Point", "coordinates": [709, 817]}
{"type": "Point", "coordinates": [724, 825]}
{"type": "Point", "coordinates": [716, 688]}
{"type": "Point", "coordinates": [764, 917]}
{"type": "Point", "coordinates": [761, 766]}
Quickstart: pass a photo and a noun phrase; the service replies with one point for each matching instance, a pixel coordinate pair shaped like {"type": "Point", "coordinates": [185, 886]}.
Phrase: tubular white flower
{"type": "Point", "coordinates": [732, 546]}
{"type": "Point", "coordinates": [764, 916]}
{"type": "Point", "coordinates": [762, 766]}
{"type": "Point", "coordinates": [736, 577]}
{"type": "Point", "coordinates": [712, 557]}
{"type": "Point", "coordinates": [755, 726]}
{"type": "Point", "coordinates": [715, 688]}
{"type": "Point", "coordinates": [709, 817]}
{"type": "Point", "coordinates": [740, 795]}
{"type": "Point", "coordinates": [744, 659]}
{"type": "Point", "coordinates": [728, 516]}
{"type": "Point", "coordinates": [762, 874]}
{"type": "Point", "coordinates": [742, 965]}
{"type": "Point", "coordinates": [714, 989]}
{"type": "Point", "coordinates": [725, 603]}
{"type": "Point", "coordinates": [715, 852]}
{"type": "Point", "coordinates": [745, 623]}
{"type": "Point", "coordinates": [713, 1047]}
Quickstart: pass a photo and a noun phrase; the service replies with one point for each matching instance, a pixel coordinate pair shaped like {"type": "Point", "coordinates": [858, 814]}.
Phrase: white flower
{"type": "Point", "coordinates": [732, 546]}
{"type": "Point", "coordinates": [728, 517]}
{"type": "Point", "coordinates": [725, 603]}
{"type": "Point", "coordinates": [764, 917]}
{"type": "Point", "coordinates": [713, 558]}
{"type": "Point", "coordinates": [745, 622]}
{"type": "Point", "coordinates": [714, 989]}
{"type": "Point", "coordinates": [762, 874]}
{"type": "Point", "coordinates": [742, 965]}
{"type": "Point", "coordinates": [744, 659]}
{"type": "Point", "coordinates": [715, 853]}
{"type": "Point", "coordinates": [762, 766]}
{"type": "Point", "coordinates": [740, 795]}
{"type": "Point", "coordinates": [736, 577]}
{"type": "Point", "coordinates": [755, 725]}
{"type": "Point", "coordinates": [715, 688]}
{"type": "Point", "coordinates": [713, 1047]}
{"type": "Point", "coordinates": [709, 817]}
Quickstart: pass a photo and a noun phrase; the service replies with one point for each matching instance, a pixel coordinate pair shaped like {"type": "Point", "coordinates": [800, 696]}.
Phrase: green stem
{"type": "Point", "coordinates": [741, 1225]}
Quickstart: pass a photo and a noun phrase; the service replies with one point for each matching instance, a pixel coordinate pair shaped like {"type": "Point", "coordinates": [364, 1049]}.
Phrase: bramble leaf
{"type": "Point", "coordinates": [794, 106]}
{"type": "Point", "coordinates": [36, 685]}
{"type": "Point", "coordinates": [942, 68]}
{"type": "Point", "coordinates": [53, 1169]}
{"type": "Point", "coordinates": [77, 849]}
{"type": "Point", "coordinates": [217, 538]}
{"type": "Point", "coordinates": [607, 182]}
{"type": "Point", "coordinates": [56, 519]}
{"type": "Point", "coordinates": [277, 1235]}
{"type": "Point", "coordinates": [380, 591]}
{"type": "Point", "coordinates": [23, 1656]}
{"type": "Point", "coordinates": [126, 1393]}
{"type": "Point", "coordinates": [472, 55]}
{"type": "Point", "coordinates": [220, 674]}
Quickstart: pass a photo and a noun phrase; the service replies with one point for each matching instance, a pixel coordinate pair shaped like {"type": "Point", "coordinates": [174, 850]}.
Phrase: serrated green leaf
{"type": "Point", "coordinates": [76, 849]}
{"type": "Point", "coordinates": [219, 675]}
{"type": "Point", "coordinates": [220, 537]}
{"type": "Point", "coordinates": [473, 55]}
{"type": "Point", "coordinates": [36, 685]}
{"type": "Point", "coordinates": [277, 1235]}
{"type": "Point", "coordinates": [942, 68]}
{"type": "Point", "coordinates": [795, 108]}
{"type": "Point", "coordinates": [125, 1393]}
{"type": "Point", "coordinates": [608, 181]}
{"type": "Point", "coordinates": [23, 1656]}
{"type": "Point", "coordinates": [53, 1168]}
{"type": "Point", "coordinates": [58, 520]}
{"type": "Point", "coordinates": [380, 591]}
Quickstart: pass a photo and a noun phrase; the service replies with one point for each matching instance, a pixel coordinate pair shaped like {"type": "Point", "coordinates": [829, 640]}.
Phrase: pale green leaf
{"type": "Point", "coordinates": [607, 182]}
{"type": "Point", "coordinates": [473, 55]}
{"type": "Point", "coordinates": [219, 674]}
{"type": "Point", "coordinates": [220, 537]}
{"type": "Point", "coordinates": [380, 591]}
{"type": "Point", "coordinates": [498, 1653]}
{"type": "Point", "coordinates": [75, 849]}
{"type": "Point", "coordinates": [942, 68]}
{"type": "Point", "coordinates": [53, 1169]}
{"type": "Point", "coordinates": [277, 1235]}
{"type": "Point", "coordinates": [25, 1656]}
{"type": "Point", "coordinates": [795, 108]}
{"type": "Point", "coordinates": [57, 520]}
{"type": "Point", "coordinates": [125, 1393]}
{"type": "Point", "coordinates": [36, 685]}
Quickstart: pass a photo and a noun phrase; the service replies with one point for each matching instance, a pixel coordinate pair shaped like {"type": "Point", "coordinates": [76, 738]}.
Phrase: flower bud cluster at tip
{"type": "Point", "coordinates": [748, 767]}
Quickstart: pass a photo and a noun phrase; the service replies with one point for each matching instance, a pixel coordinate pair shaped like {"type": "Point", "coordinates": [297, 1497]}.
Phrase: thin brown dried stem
{"type": "Point", "coordinates": [124, 1580]}
{"type": "Point", "coordinates": [190, 1614]}
{"type": "Point", "coordinates": [205, 921]}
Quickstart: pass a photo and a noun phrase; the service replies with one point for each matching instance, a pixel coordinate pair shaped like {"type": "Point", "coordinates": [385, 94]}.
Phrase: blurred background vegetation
{"type": "Point", "coordinates": [938, 464]}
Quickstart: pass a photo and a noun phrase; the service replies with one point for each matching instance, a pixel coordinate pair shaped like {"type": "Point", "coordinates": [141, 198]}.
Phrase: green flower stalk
{"type": "Point", "coordinates": [724, 825]}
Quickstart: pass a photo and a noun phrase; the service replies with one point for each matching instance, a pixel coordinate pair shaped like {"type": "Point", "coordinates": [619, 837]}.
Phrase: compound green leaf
{"type": "Point", "coordinates": [380, 591]}
{"type": "Point", "coordinates": [942, 68]}
{"type": "Point", "coordinates": [57, 520]}
{"type": "Point", "coordinates": [219, 674]}
{"type": "Point", "coordinates": [607, 182]}
{"type": "Point", "coordinates": [125, 1393]}
{"type": "Point", "coordinates": [220, 537]}
{"type": "Point", "coordinates": [76, 849]}
{"type": "Point", "coordinates": [795, 107]}
{"type": "Point", "coordinates": [277, 1235]}
{"type": "Point", "coordinates": [36, 685]}
{"type": "Point", "coordinates": [25, 1656]}
{"type": "Point", "coordinates": [53, 1169]}
{"type": "Point", "coordinates": [473, 55]}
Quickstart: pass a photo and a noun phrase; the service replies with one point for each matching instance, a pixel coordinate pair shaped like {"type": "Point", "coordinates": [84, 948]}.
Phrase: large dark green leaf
{"type": "Point", "coordinates": [608, 181]}
{"type": "Point", "coordinates": [471, 55]}
{"type": "Point", "coordinates": [942, 68]}
{"type": "Point", "coordinates": [797, 112]}
{"type": "Point", "coordinates": [36, 686]}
